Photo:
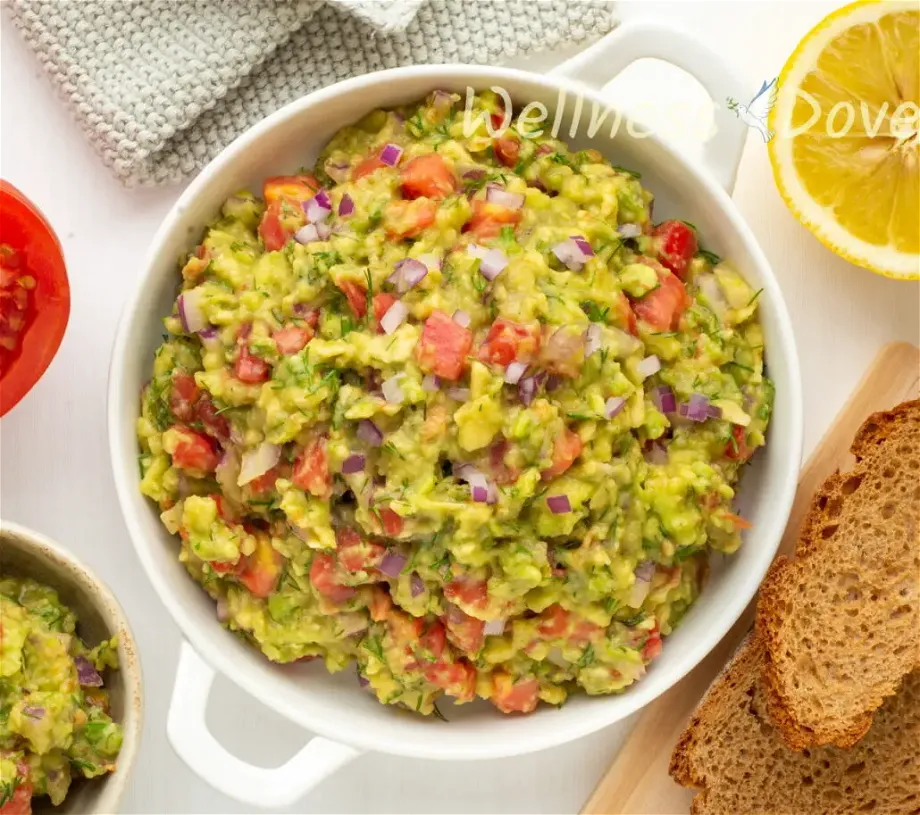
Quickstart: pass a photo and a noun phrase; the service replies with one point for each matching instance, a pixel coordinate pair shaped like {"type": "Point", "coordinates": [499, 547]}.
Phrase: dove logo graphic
{"type": "Point", "coordinates": [754, 113]}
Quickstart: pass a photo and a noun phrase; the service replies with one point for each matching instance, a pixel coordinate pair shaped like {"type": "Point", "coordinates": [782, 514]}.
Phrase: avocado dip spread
{"type": "Point", "coordinates": [451, 408]}
{"type": "Point", "coordinates": [55, 725]}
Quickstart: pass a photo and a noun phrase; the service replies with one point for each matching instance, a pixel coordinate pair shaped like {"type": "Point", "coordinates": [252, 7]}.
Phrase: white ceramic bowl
{"type": "Point", "coordinates": [347, 720]}
{"type": "Point", "coordinates": [24, 553]}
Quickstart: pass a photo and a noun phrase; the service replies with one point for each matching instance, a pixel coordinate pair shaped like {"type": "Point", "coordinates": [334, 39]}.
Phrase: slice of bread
{"type": "Point", "coordinates": [732, 754]}
{"type": "Point", "coordinates": [840, 624]}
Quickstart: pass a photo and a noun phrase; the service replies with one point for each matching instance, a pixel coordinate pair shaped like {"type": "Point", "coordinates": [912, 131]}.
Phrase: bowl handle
{"type": "Point", "coordinates": [601, 62]}
{"type": "Point", "coordinates": [260, 786]}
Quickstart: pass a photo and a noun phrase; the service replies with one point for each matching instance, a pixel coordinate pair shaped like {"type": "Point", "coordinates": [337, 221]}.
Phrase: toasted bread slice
{"type": "Point", "coordinates": [840, 624]}
{"type": "Point", "coordinates": [733, 755]}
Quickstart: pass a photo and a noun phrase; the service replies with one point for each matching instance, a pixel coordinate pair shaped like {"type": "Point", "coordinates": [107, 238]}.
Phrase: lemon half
{"type": "Point", "coordinates": [846, 149]}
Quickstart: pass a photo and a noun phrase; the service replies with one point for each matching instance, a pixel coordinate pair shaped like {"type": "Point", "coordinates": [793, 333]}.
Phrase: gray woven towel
{"type": "Point", "coordinates": [161, 86]}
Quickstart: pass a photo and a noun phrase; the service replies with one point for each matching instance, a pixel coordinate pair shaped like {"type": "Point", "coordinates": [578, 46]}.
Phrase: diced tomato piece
{"type": "Point", "coordinates": [566, 449]}
{"type": "Point", "coordinates": [508, 341]}
{"type": "Point", "coordinates": [465, 632]}
{"type": "Point", "coordinates": [428, 176]}
{"type": "Point", "coordinates": [554, 622]}
{"type": "Point", "coordinates": [272, 232]}
{"type": "Point", "coordinates": [509, 697]}
{"type": "Point", "coordinates": [626, 318]}
{"type": "Point", "coordinates": [382, 303]}
{"type": "Point", "coordinates": [404, 628]}
{"type": "Point", "coordinates": [226, 514]}
{"type": "Point", "coordinates": [21, 801]}
{"type": "Point", "coordinates": [652, 647]}
{"type": "Point", "coordinates": [250, 368]}
{"type": "Point", "coordinates": [676, 244]}
{"type": "Point", "coordinates": [408, 219]}
{"type": "Point", "coordinates": [469, 592]}
{"type": "Point", "coordinates": [366, 167]}
{"type": "Point", "coordinates": [356, 295]}
{"type": "Point", "coordinates": [356, 554]}
{"type": "Point", "coordinates": [737, 448]}
{"type": "Point", "coordinates": [457, 679]}
{"type": "Point", "coordinates": [183, 396]}
{"type": "Point", "coordinates": [195, 451]}
{"type": "Point", "coordinates": [737, 520]}
{"type": "Point", "coordinates": [584, 630]}
{"type": "Point", "coordinates": [381, 604]}
{"type": "Point", "coordinates": [261, 569]}
{"type": "Point", "coordinates": [443, 347]}
{"type": "Point", "coordinates": [293, 187]}
{"type": "Point", "coordinates": [392, 522]}
{"type": "Point", "coordinates": [265, 482]}
{"type": "Point", "coordinates": [292, 338]}
{"type": "Point", "coordinates": [324, 577]}
{"type": "Point", "coordinates": [662, 308]}
{"type": "Point", "coordinates": [433, 641]}
{"type": "Point", "coordinates": [502, 473]}
{"type": "Point", "coordinates": [214, 424]}
{"type": "Point", "coordinates": [507, 150]}
{"type": "Point", "coordinates": [488, 219]}
{"type": "Point", "coordinates": [311, 469]}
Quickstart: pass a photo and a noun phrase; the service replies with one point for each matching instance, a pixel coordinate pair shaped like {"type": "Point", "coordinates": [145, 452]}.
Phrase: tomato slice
{"type": "Point", "coordinates": [469, 592]}
{"type": "Point", "coordinates": [566, 449]}
{"type": "Point", "coordinates": [356, 554]}
{"type": "Point", "coordinates": [488, 219]}
{"type": "Point", "coordinates": [433, 641]}
{"type": "Point", "coordinates": [652, 647]}
{"type": "Point", "coordinates": [457, 679]}
{"type": "Point", "coordinates": [43, 320]}
{"type": "Point", "coordinates": [356, 295]}
{"type": "Point", "coordinates": [554, 622]}
{"type": "Point", "coordinates": [311, 469]}
{"type": "Point", "coordinates": [408, 219]}
{"type": "Point", "coordinates": [677, 245]}
{"type": "Point", "coordinates": [507, 150]}
{"type": "Point", "coordinates": [194, 451]}
{"type": "Point", "coordinates": [294, 187]}
{"type": "Point", "coordinates": [261, 569]}
{"type": "Point", "coordinates": [443, 347]}
{"type": "Point", "coordinates": [183, 397]}
{"type": "Point", "coordinates": [428, 176]}
{"type": "Point", "coordinates": [511, 697]}
{"type": "Point", "coordinates": [273, 234]}
{"type": "Point", "coordinates": [465, 632]}
{"type": "Point", "coordinates": [250, 368]}
{"type": "Point", "coordinates": [382, 303]}
{"type": "Point", "coordinates": [324, 577]}
{"type": "Point", "coordinates": [508, 341]}
{"type": "Point", "coordinates": [392, 522]}
{"type": "Point", "coordinates": [366, 167]}
{"type": "Point", "coordinates": [214, 424]}
{"type": "Point", "coordinates": [662, 308]}
{"type": "Point", "coordinates": [292, 338]}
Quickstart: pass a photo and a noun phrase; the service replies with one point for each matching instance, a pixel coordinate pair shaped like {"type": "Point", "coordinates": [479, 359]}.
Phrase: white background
{"type": "Point", "coordinates": [55, 472]}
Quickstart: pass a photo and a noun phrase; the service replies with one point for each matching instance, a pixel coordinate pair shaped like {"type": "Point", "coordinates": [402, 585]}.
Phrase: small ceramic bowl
{"type": "Point", "coordinates": [24, 553]}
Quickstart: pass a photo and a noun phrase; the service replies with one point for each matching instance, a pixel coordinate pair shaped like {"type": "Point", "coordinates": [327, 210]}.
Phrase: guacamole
{"type": "Point", "coordinates": [450, 408]}
{"type": "Point", "coordinates": [55, 725]}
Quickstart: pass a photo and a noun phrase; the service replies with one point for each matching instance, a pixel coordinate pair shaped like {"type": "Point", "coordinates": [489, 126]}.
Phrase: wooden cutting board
{"type": "Point", "coordinates": [638, 782]}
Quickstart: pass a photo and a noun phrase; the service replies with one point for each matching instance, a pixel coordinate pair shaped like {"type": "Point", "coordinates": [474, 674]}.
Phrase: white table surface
{"type": "Point", "coordinates": [55, 472]}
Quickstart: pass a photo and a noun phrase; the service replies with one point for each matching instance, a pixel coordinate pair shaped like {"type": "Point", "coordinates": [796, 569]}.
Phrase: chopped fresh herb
{"type": "Point", "coordinates": [712, 257]}
{"type": "Point", "coordinates": [692, 226]}
{"type": "Point", "coordinates": [633, 173]}
{"type": "Point", "coordinates": [595, 313]}
{"type": "Point", "coordinates": [438, 713]}
{"type": "Point", "coordinates": [755, 296]}
{"type": "Point", "coordinates": [86, 766]}
{"type": "Point", "coordinates": [587, 656]}
{"type": "Point", "coordinates": [580, 417]}
{"type": "Point", "coordinates": [561, 158]}
{"type": "Point", "coordinates": [684, 552]}
{"type": "Point", "coordinates": [8, 790]}
{"type": "Point", "coordinates": [634, 620]}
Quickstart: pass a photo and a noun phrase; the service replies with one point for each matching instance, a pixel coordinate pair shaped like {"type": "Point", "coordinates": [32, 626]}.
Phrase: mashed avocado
{"type": "Point", "coordinates": [54, 720]}
{"type": "Point", "coordinates": [451, 408]}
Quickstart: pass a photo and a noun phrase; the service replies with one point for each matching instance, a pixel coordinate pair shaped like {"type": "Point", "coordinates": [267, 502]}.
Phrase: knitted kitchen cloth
{"type": "Point", "coordinates": [161, 86]}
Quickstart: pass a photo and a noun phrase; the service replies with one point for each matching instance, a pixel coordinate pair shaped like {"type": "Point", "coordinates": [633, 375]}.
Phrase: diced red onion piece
{"type": "Point", "coordinates": [480, 494]}
{"type": "Point", "coordinates": [698, 408]}
{"type": "Point", "coordinates": [648, 366]}
{"type": "Point", "coordinates": [613, 406]}
{"type": "Point", "coordinates": [394, 317]}
{"type": "Point", "coordinates": [559, 504]}
{"type": "Point", "coordinates": [393, 563]}
{"type": "Point", "coordinates": [34, 711]}
{"type": "Point", "coordinates": [391, 154]}
{"type": "Point", "coordinates": [307, 234]}
{"type": "Point", "coordinates": [645, 570]}
{"type": "Point", "coordinates": [318, 207]}
{"type": "Point", "coordinates": [664, 399]}
{"type": "Point", "coordinates": [714, 412]}
{"type": "Point", "coordinates": [87, 675]}
{"type": "Point", "coordinates": [469, 473]}
{"type": "Point", "coordinates": [494, 628]}
{"type": "Point", "coordinates": [474, 250]}
{"type": "Point", "coordinates": [629, 230]}
{"type": "Point", "coordinates": [553, 381]}
{"type": "Point", "coordinates": [190, 313]}
{"type": "Point", "coordinates": [353, 464]}
{"type": "Point", "coordinates": [223, 610]}
{"type": "Point", "coordinates": [455, 614]}
{"type": "Point", "coordinates": [258, 462]}
{"type": "Point", "coordinates": [570, 255]}
{"type": "Point", "coordinates": [363, 681]}
{"type": "Point", "coordinates": [592, 339]}
{"type": "Point", "coordinates": [431, 260]}
{"type": "Point", "coordinates": [459, 394]}
{"type": "Point", "coordinates": [407, 273]}
{"type": "Point", "coordinates": [416, 585]}
{"type": "Point", "coordinates": [583, 246]}
{"type": "Point", "coordinates": [431, 383]}
{"type": "Point", "coordinates": [514, 372]}
{"type": "Point", "coordinates": [527, 389]}
{"type": "Point", "coordinates": [638, 593]}
{"type": "Point", "coordinates": [209, 333]}
{"type": "Point", "coordinates": [509, 200]}
{"type": "Point", "coordinates": [391, 390]}
{"type": "Point", "coordinates": [369, 432]}
{"type": "Point", "coordinates": [346, 206]}
{"type": "Point", "coordinates": [657, 454]}
{"type": "Point", "coordinates": [462, 318]}
{"type": "Point", "coordinates": [492, 264]}
{"type": "Point", "coordinates": [474, 173]}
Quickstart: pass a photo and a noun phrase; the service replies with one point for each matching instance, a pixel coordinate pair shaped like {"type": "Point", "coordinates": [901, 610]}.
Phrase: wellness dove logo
{"type": "Point", "coordinates": [754, 113]}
